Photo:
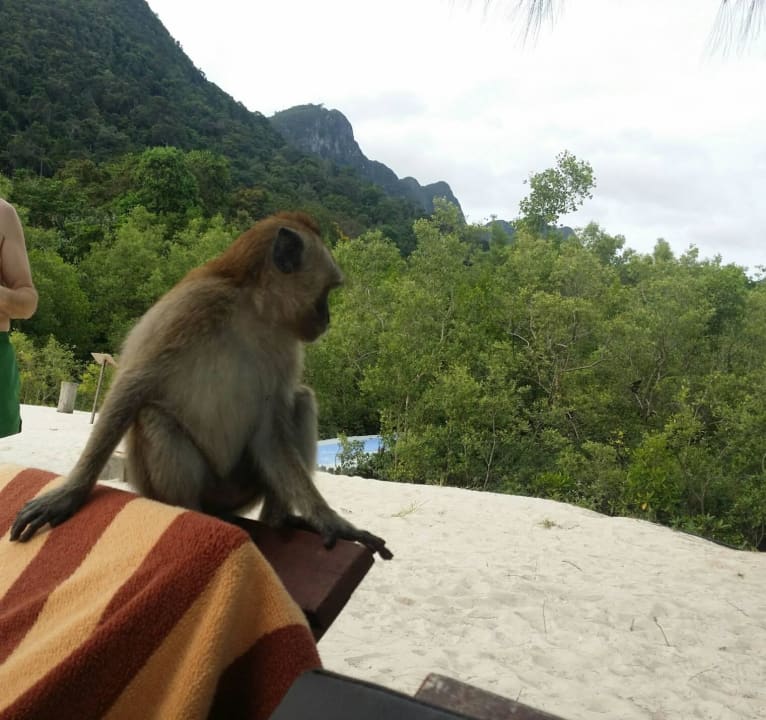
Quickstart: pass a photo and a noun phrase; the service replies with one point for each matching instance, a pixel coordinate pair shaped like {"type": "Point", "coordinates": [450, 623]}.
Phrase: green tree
{"type": "Point", "coordinates": [42, 369]}
{"type": "Point", "coordinates": [337, 364]}
{"type": "Point", "coordinates": [555, 192]}
{"type": "Point", "coordinates": [120, 276]}
{"type": "Point", "coordinates": [164, 181]}
{"type": "Point", "coordinates": [63, 309]}
{"type": "Point", "coordinates": [86, 392]}
{"type": "Point", "coordinates": [213, 177]}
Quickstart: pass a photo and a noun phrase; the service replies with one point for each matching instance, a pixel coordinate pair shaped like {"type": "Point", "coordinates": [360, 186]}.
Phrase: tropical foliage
{"type": "Point", "coordinates": [574, 369]}
{"type": "Point", "coordinates": [568, 367]}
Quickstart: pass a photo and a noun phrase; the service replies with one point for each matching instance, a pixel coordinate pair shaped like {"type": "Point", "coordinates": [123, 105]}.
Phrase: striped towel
{"type": "Point", "coordinates": [135, 609]}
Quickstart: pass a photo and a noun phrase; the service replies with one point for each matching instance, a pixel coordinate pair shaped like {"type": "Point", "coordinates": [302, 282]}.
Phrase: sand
{"type": "Point", "coordinates": [567, 610]}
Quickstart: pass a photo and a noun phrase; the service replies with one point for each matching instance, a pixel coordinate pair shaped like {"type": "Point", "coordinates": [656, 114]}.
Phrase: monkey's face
{"type": "Point", "coordinates": [315, 320]}
{"type": "Point", "coordinates": [308, 268]}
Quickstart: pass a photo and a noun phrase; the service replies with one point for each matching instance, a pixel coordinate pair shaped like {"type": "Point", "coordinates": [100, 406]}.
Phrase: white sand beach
{"type": "Point", "coordinates": [567, 610]}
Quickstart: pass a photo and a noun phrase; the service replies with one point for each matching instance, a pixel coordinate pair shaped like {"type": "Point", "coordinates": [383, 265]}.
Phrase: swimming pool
{"type": "Point", "coordinates": [328, 450]}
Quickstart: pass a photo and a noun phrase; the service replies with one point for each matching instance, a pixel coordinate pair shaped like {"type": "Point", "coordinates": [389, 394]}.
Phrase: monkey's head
{"type": "Point", "coordinates": [308, 274]}
{"type": "Point", "coordinates": [291, 271]}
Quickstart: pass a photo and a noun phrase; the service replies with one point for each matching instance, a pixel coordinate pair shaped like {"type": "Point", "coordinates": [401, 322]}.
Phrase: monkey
{"type": "Point", "coordinates": [208, 393]}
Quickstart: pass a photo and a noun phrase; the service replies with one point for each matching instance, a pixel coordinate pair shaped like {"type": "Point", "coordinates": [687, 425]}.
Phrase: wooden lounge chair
{"type": "Point", "coordinates": [133, 608]}
{"type": "Point", "coordinates": [475, 703]}
{"type": "Point", "coordinates": [327, 695]}
{"type": "Point", "coordinates": [320, 581]}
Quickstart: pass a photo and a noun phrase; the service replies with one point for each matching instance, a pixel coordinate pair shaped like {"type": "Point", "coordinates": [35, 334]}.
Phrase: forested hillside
{"type": "Point", "coordinates": [101, 78]}
{"type": "Point", "coordinates": [91, 81]}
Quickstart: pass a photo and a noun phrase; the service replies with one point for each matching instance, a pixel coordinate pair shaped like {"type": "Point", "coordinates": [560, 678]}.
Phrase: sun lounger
{"type": "Point", "coordinates": [320, 581]}
{"type": "Point", "coordinates": [133, 608]}
{"type": "Point", "coordinates": [327, 695]}
{"type": "Point", "coordinates": [475, 703]}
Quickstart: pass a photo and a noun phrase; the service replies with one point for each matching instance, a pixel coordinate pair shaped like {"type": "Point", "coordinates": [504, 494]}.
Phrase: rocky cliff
{"type": "Point", "coordinates": [328, 133]}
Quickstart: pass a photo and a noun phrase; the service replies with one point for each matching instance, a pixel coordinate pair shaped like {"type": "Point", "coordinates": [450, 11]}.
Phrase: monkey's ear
{"type": "Point", "coordinates": [288, 250]}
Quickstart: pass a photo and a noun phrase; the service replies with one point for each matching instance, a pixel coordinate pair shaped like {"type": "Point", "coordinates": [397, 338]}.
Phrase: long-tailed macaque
{"type": "Point", "coordinates": [209, 391]}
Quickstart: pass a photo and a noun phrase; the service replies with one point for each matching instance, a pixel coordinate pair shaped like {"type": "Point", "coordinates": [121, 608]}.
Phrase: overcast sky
{"type": "Point", "coordinates": [445, 90]}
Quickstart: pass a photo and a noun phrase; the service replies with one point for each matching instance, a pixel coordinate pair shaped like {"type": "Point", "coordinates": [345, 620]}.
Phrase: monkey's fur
{"type": "Point", "coordinates": [209, 392]}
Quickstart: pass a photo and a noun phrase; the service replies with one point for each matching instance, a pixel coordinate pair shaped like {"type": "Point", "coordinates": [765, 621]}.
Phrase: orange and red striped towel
{"type": "Point", "coordinates": [135, 609]}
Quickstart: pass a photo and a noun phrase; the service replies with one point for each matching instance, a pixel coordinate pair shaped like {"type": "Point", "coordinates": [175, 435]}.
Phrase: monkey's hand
{"type": "Point", "coordinates": [53, 507]}
{"type": "Point", "coordinates": [336, 528]}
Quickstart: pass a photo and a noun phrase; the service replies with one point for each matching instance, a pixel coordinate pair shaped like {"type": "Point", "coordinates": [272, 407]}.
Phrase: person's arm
{"type": "Point", "coordinates": [18, 297]}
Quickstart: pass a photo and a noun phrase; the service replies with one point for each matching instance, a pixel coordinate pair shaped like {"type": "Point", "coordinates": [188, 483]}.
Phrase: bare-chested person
{"type": "Point", "coordinates": [18, 299]}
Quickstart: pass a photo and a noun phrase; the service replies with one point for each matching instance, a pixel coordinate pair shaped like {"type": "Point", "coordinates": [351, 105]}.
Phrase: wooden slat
{"type": "Point", "coordinates": [320, 580]}
{"type": "Point", "coordinates": [324, 695]}
{"type": "Point", "coordinates": [475, 703]}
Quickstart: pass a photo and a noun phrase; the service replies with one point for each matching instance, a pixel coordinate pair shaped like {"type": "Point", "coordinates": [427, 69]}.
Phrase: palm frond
{"type": "Point", "coordinates": [738, 21]}
{"type": "Point", "coordinates": [537, 12]}
{"type": "Point", "coordinates": [737, 24]}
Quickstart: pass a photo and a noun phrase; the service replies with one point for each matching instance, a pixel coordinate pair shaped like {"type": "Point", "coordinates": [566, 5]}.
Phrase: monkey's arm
{"type": "Point", "coordinates": [292, 488]}
{"type": "Point", "coordinates": [56, 506]}
{"type": "Point", "coordinates": [318, 516]}
{"type": "Point", "coordinates": [53, 507]}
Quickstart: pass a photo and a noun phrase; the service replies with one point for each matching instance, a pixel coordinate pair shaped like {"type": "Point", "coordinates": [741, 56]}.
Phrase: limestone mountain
{"type": "Point", "coordinates": [329, 134]}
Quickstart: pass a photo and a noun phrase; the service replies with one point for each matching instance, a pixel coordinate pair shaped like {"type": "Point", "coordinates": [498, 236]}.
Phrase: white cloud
{"type": "Point", "coordinates": [442, 90]}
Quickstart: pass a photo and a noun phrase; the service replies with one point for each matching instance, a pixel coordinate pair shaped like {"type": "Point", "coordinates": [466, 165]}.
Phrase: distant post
{"type": "Point", "coordinates": [67, 397]}
{"type": "Point", "coordinates": [102, 359]}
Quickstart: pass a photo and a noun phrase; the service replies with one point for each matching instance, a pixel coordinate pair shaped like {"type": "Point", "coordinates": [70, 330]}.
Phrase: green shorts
{"type": "Point", "coordinates": [10, 388]}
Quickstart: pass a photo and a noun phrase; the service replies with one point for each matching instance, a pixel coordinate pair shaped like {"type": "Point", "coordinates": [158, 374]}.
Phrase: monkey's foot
{"type": "Point", "coordinates": [341, 531]}
{"type": "Point", "coordinates": [53, 507]}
